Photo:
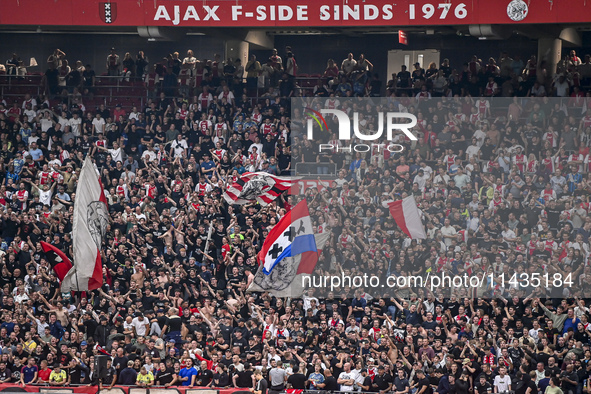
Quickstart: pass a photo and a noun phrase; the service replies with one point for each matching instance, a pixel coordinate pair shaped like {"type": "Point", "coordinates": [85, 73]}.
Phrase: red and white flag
{"type": "Point", "coordinates": [257, 186]}
{"type": "Point", "coordinates": [58, 260]}
{"type": "Point", "coordinates": [91, 218]}
{"type": "Point", "coordinates": [407, 217]}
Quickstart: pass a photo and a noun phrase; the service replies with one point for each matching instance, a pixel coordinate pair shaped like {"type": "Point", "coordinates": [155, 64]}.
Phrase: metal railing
{"type": "Point", "coordinates": [106, 90]}
{"type": "Point", "coordinates": [316, 169]}
{"type": "Point", "coordinates": [109, 90]}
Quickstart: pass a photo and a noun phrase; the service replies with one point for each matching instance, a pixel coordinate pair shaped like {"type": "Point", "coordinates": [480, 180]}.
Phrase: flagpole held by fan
{"type": "Point", "coordinates": [206, 250]}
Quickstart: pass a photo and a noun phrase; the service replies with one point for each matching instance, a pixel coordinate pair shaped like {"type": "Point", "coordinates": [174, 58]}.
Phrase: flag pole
{"type": "Point", "coordinates": [206, 250]}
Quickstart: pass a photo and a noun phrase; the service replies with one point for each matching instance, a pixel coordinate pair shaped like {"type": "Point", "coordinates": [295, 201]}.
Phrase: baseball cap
{"type": "Point", "coordinates": [83, 343]}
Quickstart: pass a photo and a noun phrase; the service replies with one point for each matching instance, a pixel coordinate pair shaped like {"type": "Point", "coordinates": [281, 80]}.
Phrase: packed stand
{"type": "Point", "coordinates": [501, 192]}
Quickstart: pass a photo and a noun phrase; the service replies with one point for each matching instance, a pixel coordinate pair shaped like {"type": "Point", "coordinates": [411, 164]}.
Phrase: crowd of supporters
{"type": "Point", "coordinates": [503, 187]}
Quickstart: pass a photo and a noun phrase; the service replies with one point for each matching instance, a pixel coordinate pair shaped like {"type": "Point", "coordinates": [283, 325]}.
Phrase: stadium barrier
{"type": "Point", "coordinates": [7, 388]}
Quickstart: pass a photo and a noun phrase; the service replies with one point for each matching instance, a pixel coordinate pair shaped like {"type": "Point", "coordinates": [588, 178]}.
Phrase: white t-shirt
{"type": "Point", "coordinates": [127, 326]}
{"type": "Point", "coordinates": [64, 122]}
{"type": "Point", "coordinates": [472, 151]}
{"type": "Point", "coordinates": [30, 114]}
{"type": "Point", "coordinates": [46, 124]}
{"type": "Point", "coordinates": [150, 154]}
{"type": "Point", "coordinates": [99, 125]}
{"type": "Point", "coordinates": [502, 384]}
{"type": "Point", "coordinates": [45, 197]}
{"type": "Point", "coordinates": [347, 375]}
{"type": "Point", "coordinates": [258, 146]}
{"type": "Point", "coordinates": [116, 154]}
{"type": "Point", "coordinates": [448, 231]}
{"type": "Point", "coordinates": [75, 126]}
{"type": "Point", "coordinates": [140, 326]}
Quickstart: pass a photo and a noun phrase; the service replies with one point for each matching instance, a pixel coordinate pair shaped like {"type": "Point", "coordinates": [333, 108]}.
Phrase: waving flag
{"type": "Point", "coordinates": [257, 186]}
{"type": "Point", "coordinates": [290, 237]}
{"type": "Point", "coordinates": [60, 263]}
{"type": "Point", "coordinates": [89, 227]}
{"type": "Point", "coordinates": [287, 276]}
{"type": "Point", "coordinates": [407, 217]}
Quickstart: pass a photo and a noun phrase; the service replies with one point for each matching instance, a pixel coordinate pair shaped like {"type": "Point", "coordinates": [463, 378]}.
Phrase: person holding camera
{"type": "Point", "coordinates": [569, 379]}
{"type": "Point", "coordinates": [462, 385]}
{"type": "Point", "coordinates": [483, 387]}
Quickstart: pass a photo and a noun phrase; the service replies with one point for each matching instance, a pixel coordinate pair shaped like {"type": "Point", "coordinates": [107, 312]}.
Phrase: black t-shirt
{"type": "Point", "coordinates": [297, 381]}
{"type": "Point", "coordinates": [5, 374]}
{"type": "Point", "coordinates": [108, 376]}
{"type": "Point", "coordinates": [262, 386]}
{"type": "Point", "coordinates": [382, 382]}
{"type": "Point", "coordinates": [401, 384]}
{"type": "Point", "coordinates": [164, 377]}
{"type": "Point", "coordinates": [571, 376]}
{"type": "Point", "coordinates": [331, 384]}
{"type": "Point", "coordinates": [174, 324]}
{"type": "Point", "coordinates": [244, 379]}
{"type": "Point", "coordinates": [423, 382]}
{"type": "Point", "coordinates": [121, 362]}
{"type": "Point", "coordinates": [367, 383]}
{"type": "Point", "coordinates": [204, 377]}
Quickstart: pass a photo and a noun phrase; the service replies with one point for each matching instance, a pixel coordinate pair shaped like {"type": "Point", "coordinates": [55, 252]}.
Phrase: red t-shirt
{"type": "Point", "coordinates": [44, 375]}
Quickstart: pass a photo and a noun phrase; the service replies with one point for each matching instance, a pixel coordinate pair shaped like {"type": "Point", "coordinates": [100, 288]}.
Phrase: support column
{"type": "Point", "coordinates": [237, 50]}
{"type": "Point", "coordinates": [550, 50]}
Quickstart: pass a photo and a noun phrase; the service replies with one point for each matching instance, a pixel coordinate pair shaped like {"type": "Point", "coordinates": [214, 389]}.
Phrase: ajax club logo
{"type": "Point", "coordinates": [517, 10]}
{"type": "Point", "coordinates": [108, 12]}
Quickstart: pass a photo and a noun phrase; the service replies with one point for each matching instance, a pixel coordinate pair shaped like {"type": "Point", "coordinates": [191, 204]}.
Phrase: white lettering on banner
{"type": "Point", "coordinates": [211, 13]}
{"type": "Point", "coordinates": [428, 10]}
{"type": "Point", "coordinates": [236, 12]}
{"type": "Point", "coordinates": [161, 13]}
{"type": "Point", "coordinates": [302, 12]}
{"type": "Point", "coordinates": [281, 13]}
{"type": "Point", "coordinates": [324, 14]}
{"type": "Point", "coordinates": [351, 12]}
{"type": "Point", "coordinates": [285, 13]}
{"type": "Point", "coordinates": [370, 12]}
{"type": "Point", "coordinates": [176, 14]}
{"type": "Point", "coordinates": [190, 14]}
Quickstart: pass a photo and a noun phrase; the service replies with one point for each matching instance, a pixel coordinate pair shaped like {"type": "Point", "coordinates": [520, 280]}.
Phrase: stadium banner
{"type": "Point", "coordinates": [6, 387]}
{"type": "Point", "coordinates": [304, 13]}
